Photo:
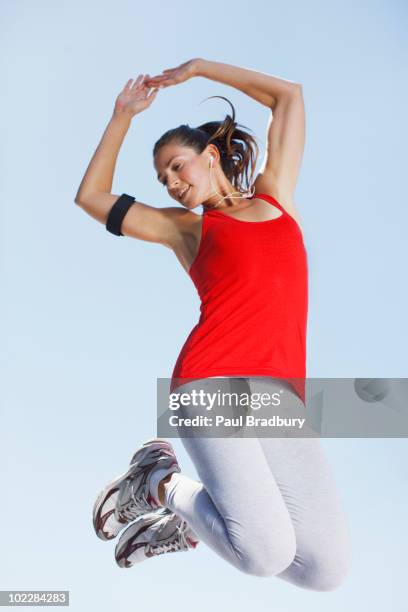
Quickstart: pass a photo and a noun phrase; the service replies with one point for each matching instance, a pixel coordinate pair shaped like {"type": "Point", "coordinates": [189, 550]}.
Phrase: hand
{"type": "Point", "coordinates": [174, 76]}
{"type": "Point", "coordinates": [134, 99]}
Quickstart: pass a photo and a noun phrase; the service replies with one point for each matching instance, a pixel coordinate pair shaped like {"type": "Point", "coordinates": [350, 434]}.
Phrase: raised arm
{"type": "Point", "coordinates": [286, 127]}
{"type": "Point", "coordinates": [264, 88]}
{"type": "Point", "coordinates": [94, 193]}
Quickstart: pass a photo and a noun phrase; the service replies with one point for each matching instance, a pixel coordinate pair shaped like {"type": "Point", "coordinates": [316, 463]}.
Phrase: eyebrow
{"type": "Point", "coordinates": [159, 175]}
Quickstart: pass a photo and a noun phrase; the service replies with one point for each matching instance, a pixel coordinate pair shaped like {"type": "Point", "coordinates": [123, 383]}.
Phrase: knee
{"type": "Point", "coordinates": [325, 573]}
{"type": "Point", "coordinates": [267, 560]}
{"type": "Point", "coordinates": [324, 579]}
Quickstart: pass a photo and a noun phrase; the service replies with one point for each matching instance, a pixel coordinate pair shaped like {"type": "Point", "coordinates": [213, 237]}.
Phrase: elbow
{"type": "Point", "coordinates": [80, 201]}
{"type": "Point", "coordinates": [85, 199]}
{"type": "Point", "coordinates": [296, 89]}
{"type": "Point", "coordinates": [77, 199]}
{"type": "Point", "coordinates": [81, 197]}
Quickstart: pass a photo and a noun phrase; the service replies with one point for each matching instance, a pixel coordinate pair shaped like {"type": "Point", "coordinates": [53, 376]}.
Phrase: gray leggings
{"type": "Point", "coordinates": [268, 506]}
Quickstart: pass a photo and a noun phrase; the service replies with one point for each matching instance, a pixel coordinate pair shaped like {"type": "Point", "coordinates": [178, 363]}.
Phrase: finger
{"type": "Point", "coordinates": [153, 93]}
{"type": "Point", "coordinates": [164, 83]}
{"type": "Point", "coordinates": [149, 99]}
{"type": "Point", "coordinates": [158, 79]}
{"type": "Point", "coordinates": [159, 76]}
{"type": "Point", "coordinates": [147, 81]}
{"type": "Point", "coordinates": [154, 77]}
{"type": "Point", "coordinates": [147, 86]}
{"type": "Point", "coordinates": [157, 85]}
{"type": "Point", "coordinates": [127, 86]}
{"type": "Point", "coordinates": [138, 81]}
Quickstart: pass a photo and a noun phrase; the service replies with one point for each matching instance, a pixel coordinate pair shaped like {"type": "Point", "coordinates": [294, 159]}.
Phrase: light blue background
{"type": "Point", "coordinates": [90, 320]}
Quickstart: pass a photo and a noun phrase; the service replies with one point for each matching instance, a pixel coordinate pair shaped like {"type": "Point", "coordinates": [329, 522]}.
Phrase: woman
{"type": "Point", "coordinates": [268, 506]}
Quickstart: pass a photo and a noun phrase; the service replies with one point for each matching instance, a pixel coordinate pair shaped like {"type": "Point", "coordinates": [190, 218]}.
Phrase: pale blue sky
{"type": "Point", "coordinates": [91, 320]}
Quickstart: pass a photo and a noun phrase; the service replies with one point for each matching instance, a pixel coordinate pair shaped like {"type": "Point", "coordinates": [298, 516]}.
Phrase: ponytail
{"type": "Point", "coordinates": [238, 150]}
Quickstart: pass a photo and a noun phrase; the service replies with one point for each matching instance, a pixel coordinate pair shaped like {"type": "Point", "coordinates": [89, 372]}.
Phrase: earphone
{"type": "Point", "coordinates": [248, 193]}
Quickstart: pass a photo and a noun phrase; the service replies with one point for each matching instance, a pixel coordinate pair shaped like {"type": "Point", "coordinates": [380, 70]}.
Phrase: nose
{"type": "Point", "coordinates": [174, 187]}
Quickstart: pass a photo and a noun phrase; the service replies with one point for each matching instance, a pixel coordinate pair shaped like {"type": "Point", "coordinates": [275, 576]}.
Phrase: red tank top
{"type": "Point", "coordinates": [252, 280]}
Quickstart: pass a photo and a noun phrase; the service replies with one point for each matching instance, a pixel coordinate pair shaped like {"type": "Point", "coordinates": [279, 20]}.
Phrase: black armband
{"type": "Point", "coordinates": [117, 213]}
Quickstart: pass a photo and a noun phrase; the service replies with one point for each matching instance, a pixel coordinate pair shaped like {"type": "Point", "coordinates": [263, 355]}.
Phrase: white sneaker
{"type": "Point", "coordinates": [153, 534]}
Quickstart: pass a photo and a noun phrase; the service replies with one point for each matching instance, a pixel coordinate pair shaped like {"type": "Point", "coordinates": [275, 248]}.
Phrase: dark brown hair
{"type": "Point", "coordinates": [238, 149]}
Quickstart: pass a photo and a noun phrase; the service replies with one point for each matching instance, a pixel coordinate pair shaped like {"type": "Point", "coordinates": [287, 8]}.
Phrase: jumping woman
{"type": "Point", "coordinates": [268, 506]}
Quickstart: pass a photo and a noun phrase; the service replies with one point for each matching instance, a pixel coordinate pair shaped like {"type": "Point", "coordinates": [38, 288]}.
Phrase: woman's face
{"type": "Point", "coordinates": [179, 167]}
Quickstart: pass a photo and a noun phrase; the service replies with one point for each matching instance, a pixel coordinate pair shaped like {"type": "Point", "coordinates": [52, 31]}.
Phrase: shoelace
{"type": "Point", "coordinates": [134, 507]}
{"type": "Point", "coordinates": [179, 541]}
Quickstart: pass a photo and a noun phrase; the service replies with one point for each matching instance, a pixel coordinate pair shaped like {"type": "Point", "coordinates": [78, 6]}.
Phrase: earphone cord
{"type": "Point", "coordinates": [246, 194]}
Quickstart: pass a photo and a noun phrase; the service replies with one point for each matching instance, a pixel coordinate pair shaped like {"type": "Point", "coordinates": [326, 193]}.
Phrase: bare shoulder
{"type": "Point", "coordinates": [288, 203]}
{"type": "Point", "coordinates": [266, 184]}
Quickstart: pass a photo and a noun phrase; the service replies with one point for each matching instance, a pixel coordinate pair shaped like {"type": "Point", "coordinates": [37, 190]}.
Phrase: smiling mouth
{"type": "Point", "coordinates": [184, 194]}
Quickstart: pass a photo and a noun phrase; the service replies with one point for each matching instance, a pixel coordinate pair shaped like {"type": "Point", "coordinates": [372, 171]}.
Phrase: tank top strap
{"type": "Point", "coordinates": [270, 199]}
